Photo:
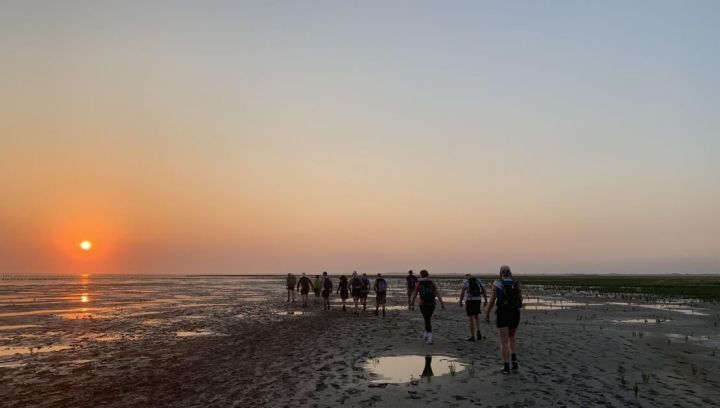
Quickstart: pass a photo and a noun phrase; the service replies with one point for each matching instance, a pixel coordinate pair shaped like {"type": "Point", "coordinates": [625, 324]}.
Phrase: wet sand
{"type": "Point", "coordinates": [251, 349]}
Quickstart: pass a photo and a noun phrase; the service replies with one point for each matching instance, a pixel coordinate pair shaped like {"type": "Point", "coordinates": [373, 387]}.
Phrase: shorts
{"type": "Point", "coordinates": [380, 297]}
{"type": "Point", "coordinates": [472, 307]}
{"type": "Point", "coordinates": [343, 293]}
{"type": "Point", "coordinates": [326, 293]}
{"type": "Point", "coordinates": [508, 318]}
{"type": "Point", "coordinates": [356, 293]}
{"type": "Point", "coordinates": [304, 291]}
{"type": "Point", "coordinates": [363, 294]}
{"type": "Point", "coordinates": [410, 291]}
{"type": "Point", "coordinates": [317, 291]}
{"type": "Point", "coordinates": [291, 287]}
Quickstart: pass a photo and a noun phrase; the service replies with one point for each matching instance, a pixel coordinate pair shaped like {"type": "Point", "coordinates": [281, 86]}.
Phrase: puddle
{"type": "Point", "coordinates": [293, 313]}
{"type": "Point", "coordinates": [669, 307]}
{"type": "Point", "coordinates": [653, 320]}
{"type": "Point", "coordinates": [60, 312]}
{"type": "Point", "coordinates": [708, 341]}
{"type": "Point", "coordinates": [197, 333]}
{"type": "Point", "coordinates": [403, 369]}
{"type": "Point", "coordinates": [78, 362]}
{"type": "Point", "coordinates": [19, 326]}
{"type": "Point", "coordinates": [12, 365]}
{"type": "Point", "coordinates": [11, 351]}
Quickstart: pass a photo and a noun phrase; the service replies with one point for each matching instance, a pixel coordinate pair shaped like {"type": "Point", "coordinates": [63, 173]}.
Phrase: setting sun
{"type": "Point", "coordinates": [86, 245]}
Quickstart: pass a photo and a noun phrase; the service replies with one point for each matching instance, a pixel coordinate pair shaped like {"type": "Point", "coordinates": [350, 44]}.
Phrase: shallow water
{"type": "Point", "coordinates": [407, 368]}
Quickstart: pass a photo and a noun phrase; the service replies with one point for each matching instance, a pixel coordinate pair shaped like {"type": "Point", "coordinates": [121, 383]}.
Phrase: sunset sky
{"type": "Point", "coordinates": [274, 137]}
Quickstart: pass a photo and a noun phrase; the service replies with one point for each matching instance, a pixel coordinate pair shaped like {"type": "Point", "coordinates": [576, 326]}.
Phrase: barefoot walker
{"type": "Point", "coordinates": [507, 295]}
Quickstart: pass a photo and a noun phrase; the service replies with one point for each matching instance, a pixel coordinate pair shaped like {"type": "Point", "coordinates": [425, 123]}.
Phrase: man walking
{"type": "Point", "coordinates": [475, 290]}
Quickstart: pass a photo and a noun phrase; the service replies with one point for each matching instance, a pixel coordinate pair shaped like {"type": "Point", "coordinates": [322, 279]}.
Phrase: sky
{"type": "Point", "coordinates": [378, 136]}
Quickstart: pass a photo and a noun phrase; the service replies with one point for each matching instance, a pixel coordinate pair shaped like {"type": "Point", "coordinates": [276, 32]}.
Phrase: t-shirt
{"type": "Point", "coordinates": [418, 288]}
{"type": "Point", "coordinates": [365, 284]}
{"type": "Point", "coordinates": [291, 280]}
{"type": "Point", "coordinates": [316, 283]}
{"type": "Point", "coordinates": [305, 283]}
{"type": "Point", "coordinates": [411, 281]}
{"type": "Point", "coordinates": [380, 285]}
{"type": "Point", "coordinates": [499, 289]}
{"type": "Point", "coordinates": [466, 286]}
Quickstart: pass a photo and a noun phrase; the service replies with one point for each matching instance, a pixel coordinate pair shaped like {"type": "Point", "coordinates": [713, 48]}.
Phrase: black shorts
{"type": "Point", "coordinates": [381, 296]}
{"type": "Point", "coordinates": [291, 287]}
{"type": "Point", "coordinates": [363, 294]}
{"type": "Point", "coordinates": [472, 307]}
{"type": "Point", "coordinates": [326, 293]}
{"type": "Point", "coordinates": [508, 318]}
{"type": "Point", "coordinates": [356, 293]}
{"type": "Point", "coordinates": [343, 293]}
{"type": "Point", "coordinates": [317, 291]}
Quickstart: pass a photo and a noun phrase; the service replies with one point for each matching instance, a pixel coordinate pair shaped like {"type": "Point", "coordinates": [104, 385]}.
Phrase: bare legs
{"type": "Point", "coordinates": [474, 325]}
{"type": "Point", "coordinates": [504, 344]}
{"type": "Point", "coordinates": [508, 347]}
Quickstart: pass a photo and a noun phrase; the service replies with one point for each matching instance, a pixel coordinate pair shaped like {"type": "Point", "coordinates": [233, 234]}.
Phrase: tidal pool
{"type": "Point", "coordinates": [403, 369]}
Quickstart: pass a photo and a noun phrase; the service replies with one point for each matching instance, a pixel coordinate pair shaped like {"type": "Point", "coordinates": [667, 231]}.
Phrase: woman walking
{"type": "Point", "coordinates": [428, 291]}
{"type": "Point", "coordinates": [343, 290]}
{"type": "Point", "coordinates": [507, 296]}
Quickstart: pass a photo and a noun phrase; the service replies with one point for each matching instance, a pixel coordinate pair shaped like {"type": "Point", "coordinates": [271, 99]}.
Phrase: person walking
{"type": "Point", "coordinates": [290, 284]}
{"type": "Point", "coordinates": [343, 290]}
{"type": "Point", "coordinates": [427, 291]}
{"type": "Point", "coordinates": [507, 296]}
{"type": "Point", "coordinates": [316, 289]}
{"type": "Point", "coordinates": [327, 287]}
{"type": "Point", "coordinates": [411, 282]}
{"type": "Point", "coordinates": [475, 290]}
{"type": "Point", "coordinates": [303, 286]}
{"type": "Point", "coordinates": [364, 290]}
{"type": "Point", "coordinates": [355, 289]}
{"type": "Point", "coordinates": [380, 288]}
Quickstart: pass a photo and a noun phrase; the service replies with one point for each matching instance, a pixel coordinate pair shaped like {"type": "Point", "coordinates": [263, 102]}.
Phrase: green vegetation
{"type": "Point", "coordinates": [688, 286]}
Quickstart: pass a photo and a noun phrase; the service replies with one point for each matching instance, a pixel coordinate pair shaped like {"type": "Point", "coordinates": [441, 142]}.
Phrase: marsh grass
{"type": "Point", "coordinates": [698, 287]}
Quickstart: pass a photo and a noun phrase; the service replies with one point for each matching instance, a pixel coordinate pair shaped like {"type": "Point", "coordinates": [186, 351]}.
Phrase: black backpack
{"type": "Point", "coordinates": [327, 284]}
{"type": "Point", "coordinates": [474, 287]}
{"type": "Point", "coordinates": [511, 296]}
{"type": "Point", "coordinates": [427, 294]}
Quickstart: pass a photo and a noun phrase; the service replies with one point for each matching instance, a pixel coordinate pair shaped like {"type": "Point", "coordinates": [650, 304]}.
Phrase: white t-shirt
{"type": "Point", "coordinates": [466, 286]}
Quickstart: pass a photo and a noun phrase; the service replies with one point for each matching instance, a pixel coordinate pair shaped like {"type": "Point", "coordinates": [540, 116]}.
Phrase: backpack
{"type": "Point", "coordinates": [381, 285]}
{"type": "Point", "coordinates": [427, 295]}
{"type": "Point", "coordinates": [474, 287]}
{"type": "Point", "coordinates": [327, 284]}
{"type": "Point", "coordinates": [511, 297]}
{"type": "Point", "coordinates": [356, 283]}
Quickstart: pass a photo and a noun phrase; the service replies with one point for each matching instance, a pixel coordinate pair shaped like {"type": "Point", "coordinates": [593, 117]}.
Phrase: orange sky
{"type": "Point", "coordinates": [199, 140]}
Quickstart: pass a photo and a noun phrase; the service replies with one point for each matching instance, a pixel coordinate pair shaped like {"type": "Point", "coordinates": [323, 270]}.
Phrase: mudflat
{"type": "Point", "coordinates": [237, 342]}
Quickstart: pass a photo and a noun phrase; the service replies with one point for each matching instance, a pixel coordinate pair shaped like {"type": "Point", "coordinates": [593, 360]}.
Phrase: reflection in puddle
{"type": "Point", "coordinates": [402, 369]}
{"type": "Point", "coordinates": [11, 351]}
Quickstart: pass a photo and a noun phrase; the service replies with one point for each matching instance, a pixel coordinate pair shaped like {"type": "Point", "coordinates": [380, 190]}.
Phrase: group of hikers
{"type": "Point", "coordinates": [505, 297]}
